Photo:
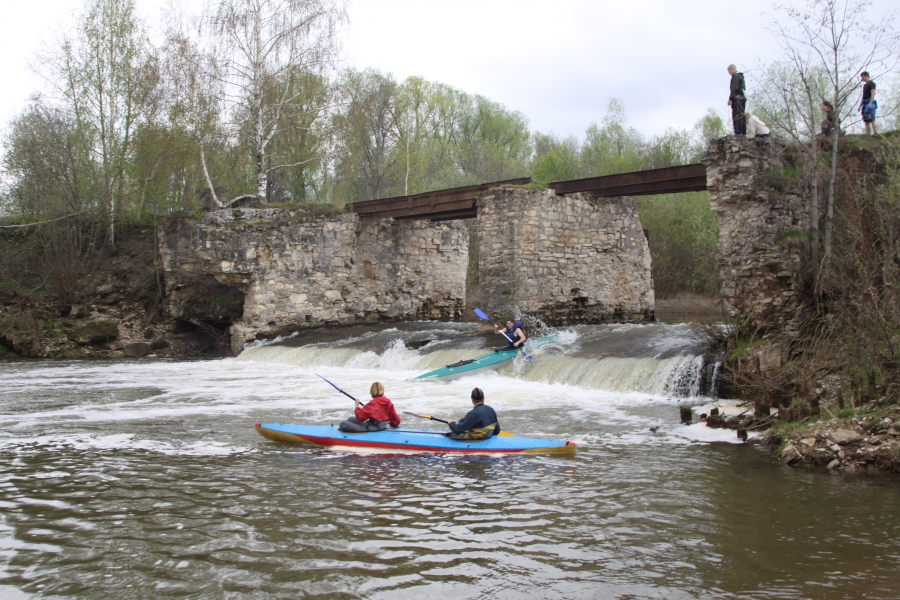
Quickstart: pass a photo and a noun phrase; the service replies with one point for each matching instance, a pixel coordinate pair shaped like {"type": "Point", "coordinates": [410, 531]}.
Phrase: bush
{"type": "Point", "coordinates": [684, 236]}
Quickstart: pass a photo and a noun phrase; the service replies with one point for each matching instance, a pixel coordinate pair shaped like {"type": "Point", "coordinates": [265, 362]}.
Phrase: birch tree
{"type": "Point", "coordinates": [196, 91]}
{"type": "Point", "coordinates": [265, 48]}
{"type": "Point", "coordinates": [826, 44]}
{"type": "Point", "coordinates": [107, 74]}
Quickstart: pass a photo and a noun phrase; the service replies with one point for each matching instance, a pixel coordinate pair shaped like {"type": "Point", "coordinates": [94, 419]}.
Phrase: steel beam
{"type": "Point", "coordinates": [427, 205]}
{"type": "Point", "coordinates": [670, 180]}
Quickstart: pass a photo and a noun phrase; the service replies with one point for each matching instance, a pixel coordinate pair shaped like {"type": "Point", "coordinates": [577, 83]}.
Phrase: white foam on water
{"type": "Point", "coordinates": [277, 383]}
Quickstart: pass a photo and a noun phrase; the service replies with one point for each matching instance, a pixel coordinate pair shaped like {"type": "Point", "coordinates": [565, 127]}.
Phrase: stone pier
{"type": "Point", "coordinates": [298, 271]}
{"type": "Point", "coordinates": [764, 223]}
{"type": "Point", "coordinates": [563, 259]}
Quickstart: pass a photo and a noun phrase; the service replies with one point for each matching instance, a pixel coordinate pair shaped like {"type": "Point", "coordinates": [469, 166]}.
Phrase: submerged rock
{"type": "Point", "coordinates": [790, 454]}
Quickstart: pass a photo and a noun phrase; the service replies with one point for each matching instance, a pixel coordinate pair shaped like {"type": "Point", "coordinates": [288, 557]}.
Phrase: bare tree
{"type": "Point", "coordinates": [265, 48]}
{"type": "Point", "coordinates": [194, 79]}
{"type": "Point", "coordinates": [826, 45]}
{"type": "Point", "coordinates": [107, 75]}
{"type": "Point", "coordinates": [789, 98]}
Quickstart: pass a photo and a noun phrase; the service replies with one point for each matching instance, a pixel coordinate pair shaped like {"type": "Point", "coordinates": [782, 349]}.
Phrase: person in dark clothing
{"type": "Point", "coordinates": [737, 101]}
{"type": "Point", "coordinates": [513, 333]}
{"type": "Point", "coordinates": [374, 416]}
{"type": "Point", "coordinates": [868, 105]}
{"type": "Point", "coordinates": [480, 423]}
{"type": "Point", "coordinates": [830, 124]}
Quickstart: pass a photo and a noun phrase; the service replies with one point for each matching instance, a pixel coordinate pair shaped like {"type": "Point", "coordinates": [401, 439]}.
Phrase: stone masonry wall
{"type": "Point", "coordinates": [763, 216]}
{"type": "Point", "coordinates": [563, 259]}
{"type": "Point", "coordinates": [297, 271]}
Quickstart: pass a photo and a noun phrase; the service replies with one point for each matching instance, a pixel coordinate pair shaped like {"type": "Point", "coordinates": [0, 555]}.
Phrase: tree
{"type": "Point", "coordinates": [368, 158]}
{"type": "Point", "coordinates": [266, 49]}
{"type": "Point", "coordinates": [194, 83]}
{"type": "Point", "coordinates": [613, 147]}
{"type": "Point", "coordinates": [107, 75]}
{"type": "Point", "coordinates": [826, 44]}
{"type": "Point", "coordinates": [50, 176]}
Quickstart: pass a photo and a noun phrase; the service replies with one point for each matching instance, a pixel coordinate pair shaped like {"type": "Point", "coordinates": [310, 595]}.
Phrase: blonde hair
{"type": "Point", "coordinates": [377, 389]}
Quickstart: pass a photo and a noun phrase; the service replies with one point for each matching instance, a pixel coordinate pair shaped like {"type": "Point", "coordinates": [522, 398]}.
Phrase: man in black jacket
{"type": "Point", "coordinates": [737, 101]}
{"type": "Point", "coordinates": [479, 423]}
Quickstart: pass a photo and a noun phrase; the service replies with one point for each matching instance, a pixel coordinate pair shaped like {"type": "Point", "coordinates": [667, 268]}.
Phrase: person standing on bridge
{"type": "Point", "coordinates": [737, 101]}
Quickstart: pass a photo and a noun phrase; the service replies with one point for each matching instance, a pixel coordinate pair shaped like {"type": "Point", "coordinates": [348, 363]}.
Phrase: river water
{"type": "Point", "coordinates": [146, 479]}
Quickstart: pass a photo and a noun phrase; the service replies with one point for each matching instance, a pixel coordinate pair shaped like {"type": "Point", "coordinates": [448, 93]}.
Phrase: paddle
{"type": "Point", "coordinates": [502, 433]}
{"type": "Point", "coordinates": [426, 417]}
{"type": "Point", "coordinates": [484, 317]}
{"type": "Point", "coordinates": [339, 389]}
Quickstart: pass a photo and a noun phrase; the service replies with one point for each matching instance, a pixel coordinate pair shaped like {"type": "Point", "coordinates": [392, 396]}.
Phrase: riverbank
{"type": "Point", "coordinates": [119, 313]}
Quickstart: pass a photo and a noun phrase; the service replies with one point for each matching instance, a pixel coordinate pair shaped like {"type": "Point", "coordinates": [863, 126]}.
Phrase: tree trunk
{"type": "Point", "coordinates": [829, 209]}
{"type": "Point", "coordinates": [814, 208]}
{"type": "Point", "coordinates": [209, 184]}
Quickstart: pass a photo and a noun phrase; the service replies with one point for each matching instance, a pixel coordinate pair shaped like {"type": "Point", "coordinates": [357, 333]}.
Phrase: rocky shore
{"type": "Point", "coordinates": [867, 443]}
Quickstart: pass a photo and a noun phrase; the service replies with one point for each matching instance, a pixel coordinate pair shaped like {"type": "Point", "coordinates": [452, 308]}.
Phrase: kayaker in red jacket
{"type": "Point", "coordinates": [373, 416]}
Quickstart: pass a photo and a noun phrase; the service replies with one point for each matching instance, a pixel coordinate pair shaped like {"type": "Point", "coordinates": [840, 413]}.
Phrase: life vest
{"type": "Point", "coordinates": [510, 342]}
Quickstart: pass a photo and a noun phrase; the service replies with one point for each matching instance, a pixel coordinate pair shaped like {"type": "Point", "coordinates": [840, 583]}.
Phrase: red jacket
{"type": "Point", "coordinates": [379, 409]}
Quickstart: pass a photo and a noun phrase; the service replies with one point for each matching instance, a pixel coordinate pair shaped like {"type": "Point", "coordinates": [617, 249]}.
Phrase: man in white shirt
{"type": "Point", "coordinates": [755, 127]}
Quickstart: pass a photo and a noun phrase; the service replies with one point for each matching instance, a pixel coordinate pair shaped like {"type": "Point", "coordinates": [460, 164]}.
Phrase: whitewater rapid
{"type": "Point", "coordinates": [94, 403]}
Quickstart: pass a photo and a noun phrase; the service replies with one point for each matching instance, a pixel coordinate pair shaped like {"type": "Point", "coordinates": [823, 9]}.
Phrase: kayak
{"type": "Point", "coordinates": [487, 362]}
{"type": "Point", "coordinates": [415, 440]}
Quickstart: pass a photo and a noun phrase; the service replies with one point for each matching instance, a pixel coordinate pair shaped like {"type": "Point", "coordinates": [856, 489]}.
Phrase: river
{"type": "Point", "coordinates": [146, 479]}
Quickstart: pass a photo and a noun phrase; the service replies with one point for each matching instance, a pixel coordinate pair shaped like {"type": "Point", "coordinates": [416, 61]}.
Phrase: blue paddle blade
{"type": "Point", "coordinates": [481, 314]}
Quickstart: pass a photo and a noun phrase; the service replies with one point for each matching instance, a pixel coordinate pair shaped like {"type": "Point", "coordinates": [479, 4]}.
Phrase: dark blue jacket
{"type": "Point", "coordinates": [480, 416]}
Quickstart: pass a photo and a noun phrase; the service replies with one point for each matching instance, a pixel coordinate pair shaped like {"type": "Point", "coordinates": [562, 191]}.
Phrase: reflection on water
{"type": "Point", "coordinates": [145, 479]}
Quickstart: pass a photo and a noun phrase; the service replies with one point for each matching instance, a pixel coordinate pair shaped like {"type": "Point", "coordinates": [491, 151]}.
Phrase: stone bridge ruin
{"type": "Point", "coordinates": [571, 253]}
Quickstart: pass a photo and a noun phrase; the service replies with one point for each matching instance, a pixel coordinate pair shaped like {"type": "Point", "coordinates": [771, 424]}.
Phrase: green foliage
{"type": "Point", "coordinates": [684, 236]}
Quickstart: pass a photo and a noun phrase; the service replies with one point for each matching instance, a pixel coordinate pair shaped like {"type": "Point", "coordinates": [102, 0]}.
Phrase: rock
{"type": "Point", "coordinates": [158, 345]}
{"type": "Point", "coordinates": [80, 312]}
{"type": "Point", "coordinates": [811, 441]}
{"type": "Point", "coordinates": [106, 289]}
{"type": "Point", "coordinates": [769, 358]}
{"type": "Point", "coordinates": [98, 332]}
{"type": "Point", "coordinates": [834, 464]}
{"type": "Point", "coordinates": [790, 454]}
{"type": "Point", "coordinates": [21, 333]}
{"type": "Point", "coordinates": [844, 436]}
{"type": "Point", "coordinates": [149, 333]}
{"type": "Point", "coordinates": [137, 350]}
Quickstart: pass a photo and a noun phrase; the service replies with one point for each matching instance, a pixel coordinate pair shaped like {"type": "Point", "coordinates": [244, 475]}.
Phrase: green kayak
{"type": "Point", "coordinates": [487, 362]}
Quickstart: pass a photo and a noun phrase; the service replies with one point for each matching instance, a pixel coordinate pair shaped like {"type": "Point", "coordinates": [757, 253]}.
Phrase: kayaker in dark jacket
{"type": "Point", "coordinates": [513, 333]}
{"type": "Point", "coordinates": [479, 423]}
{"type": "Point", "coordinates": [377, 414]}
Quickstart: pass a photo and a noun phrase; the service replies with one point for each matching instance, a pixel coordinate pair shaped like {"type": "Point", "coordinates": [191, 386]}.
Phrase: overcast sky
{"type": "Point", "coordinates": [558, 62]}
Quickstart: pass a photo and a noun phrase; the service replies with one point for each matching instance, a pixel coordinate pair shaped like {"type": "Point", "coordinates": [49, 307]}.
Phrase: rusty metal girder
{"type": "Point", "coordinates": [440, 204]}
{"type": "Point", "coordinates": [670, 180]}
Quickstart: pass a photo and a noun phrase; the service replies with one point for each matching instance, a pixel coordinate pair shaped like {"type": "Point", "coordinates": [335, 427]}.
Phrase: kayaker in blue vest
{"type": "Point", "coordinates": [479, 423]}
{"type": "Point", "coordinates": [513, 333]}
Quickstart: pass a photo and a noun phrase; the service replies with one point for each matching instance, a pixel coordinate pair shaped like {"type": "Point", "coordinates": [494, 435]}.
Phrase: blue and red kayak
{"type": "Point", "coordinates": [414, 440]}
